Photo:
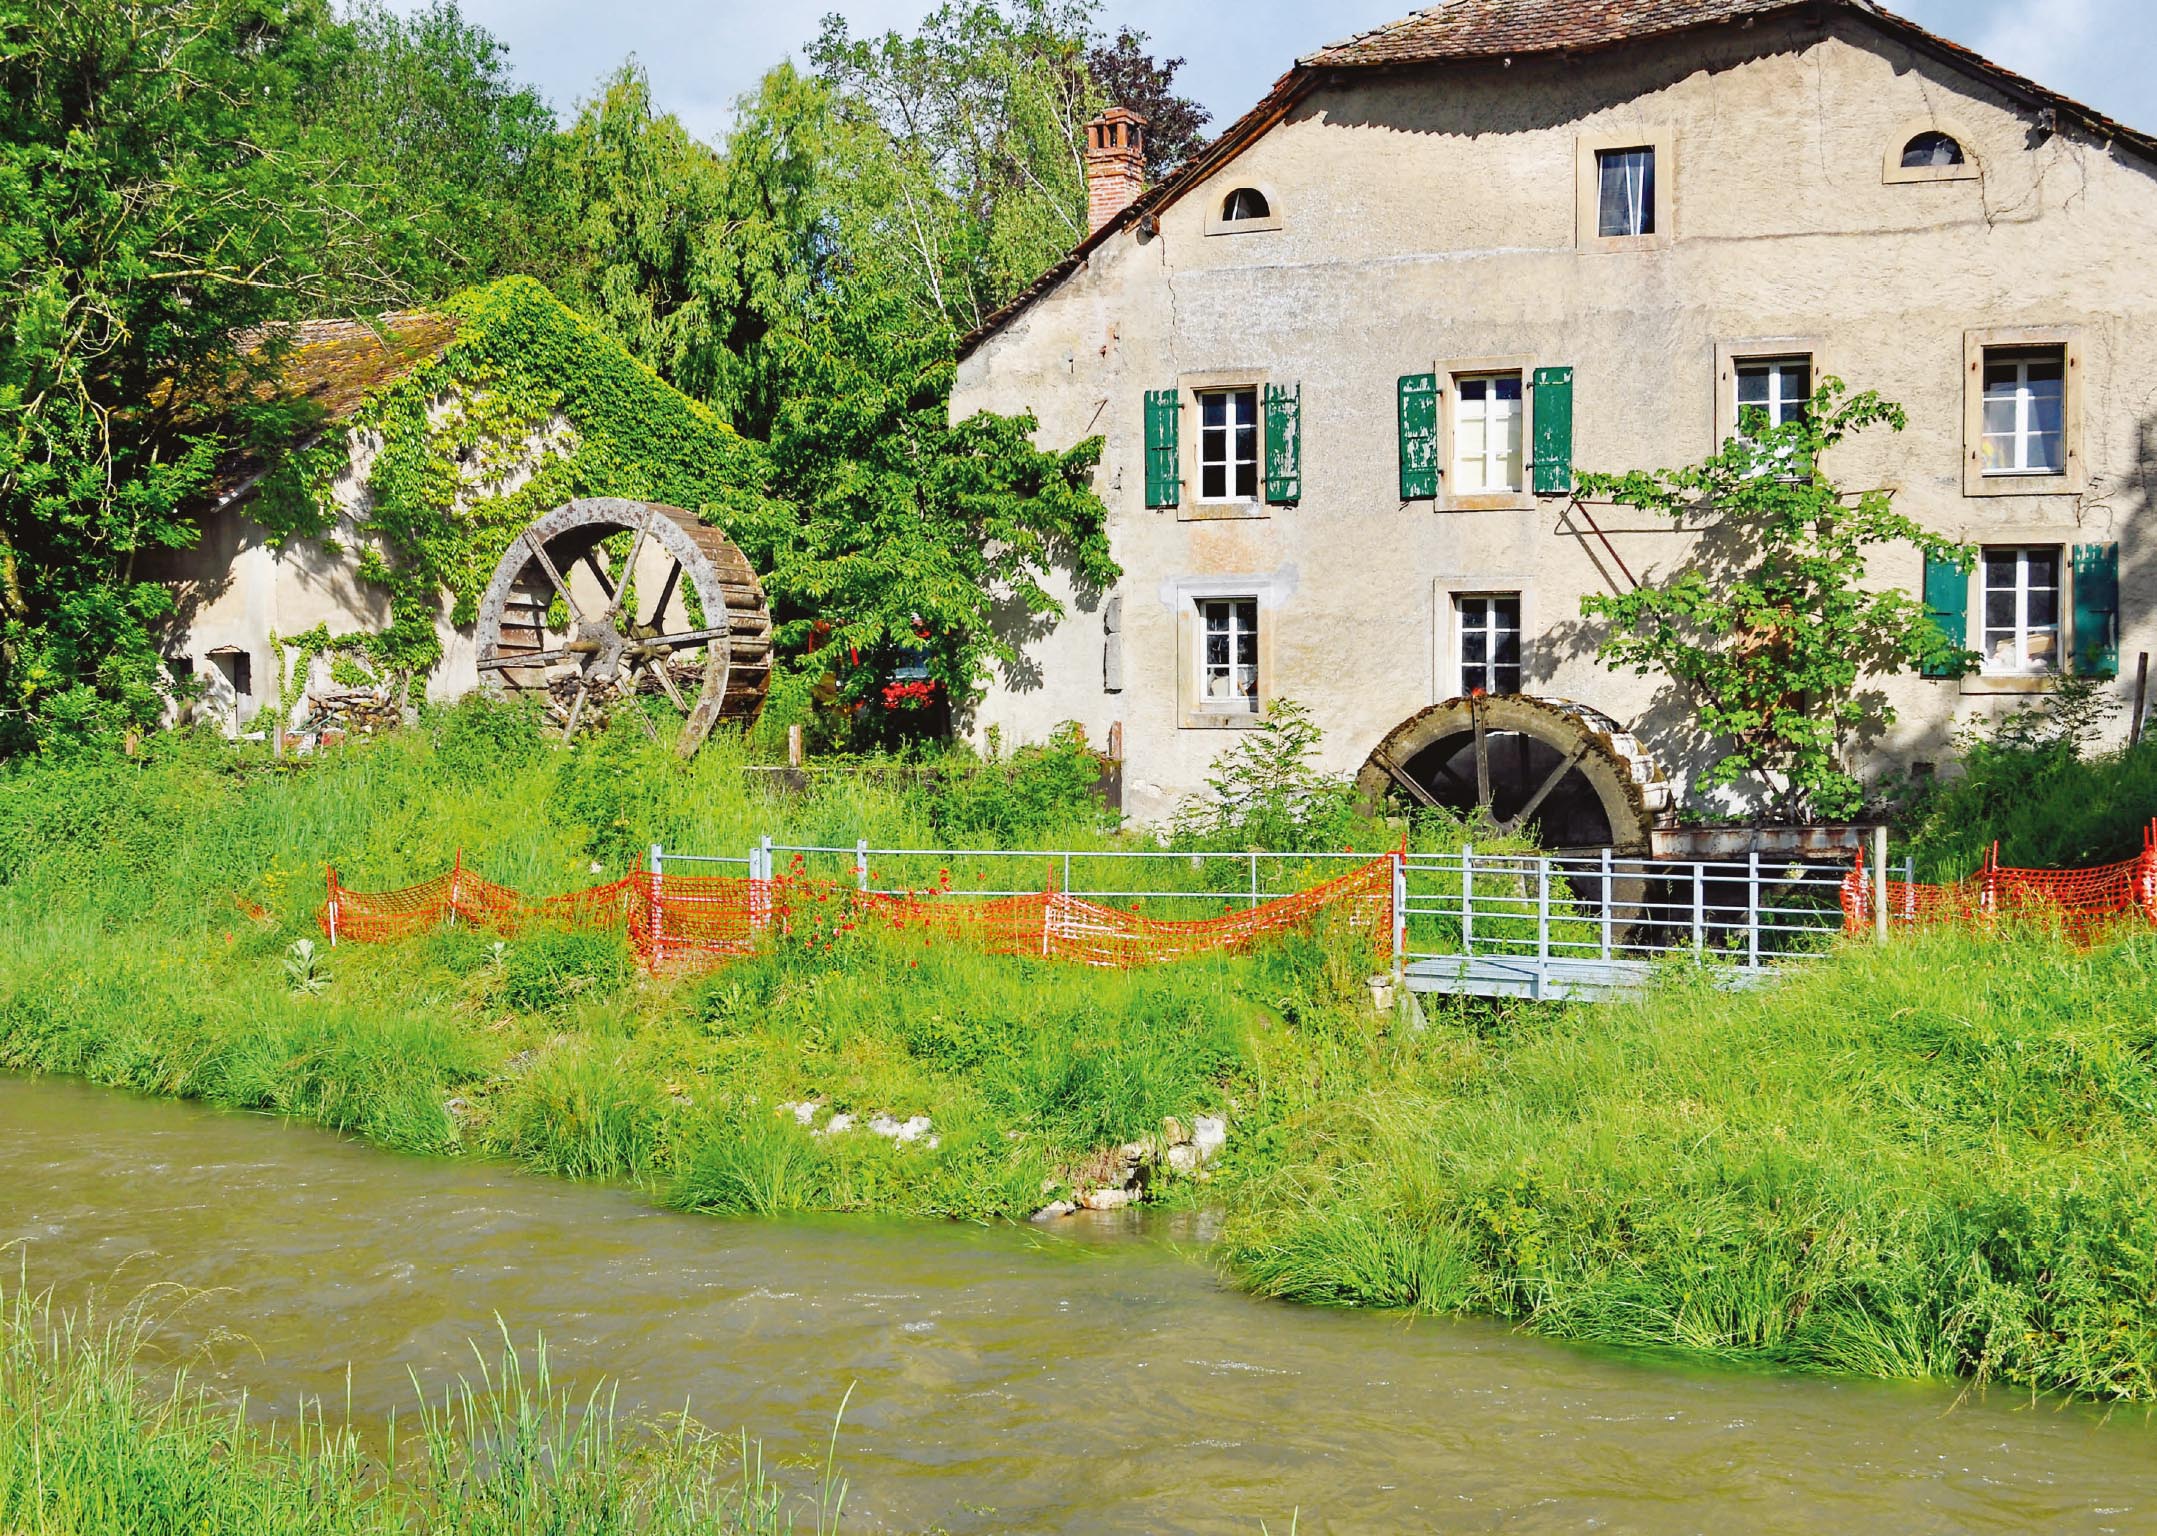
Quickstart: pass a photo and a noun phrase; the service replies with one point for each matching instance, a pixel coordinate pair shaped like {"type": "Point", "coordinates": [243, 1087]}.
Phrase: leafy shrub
{"type": "Point", "coordinates": [610, 787]}
{"type": "Point", "coordinates": [549, 968]}
{"type": "Point", "coordinates": [1054, 786]}
{"type": "Point", "coordinates": [1266, 792]}
{"type": "Point", "coordinates": [2031, 784]}
{"type": "Point", "coordinates": [485, 735]}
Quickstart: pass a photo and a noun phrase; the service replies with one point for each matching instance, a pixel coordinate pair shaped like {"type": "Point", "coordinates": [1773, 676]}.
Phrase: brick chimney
{"type": "Point", "coordinates": [1115, 164]}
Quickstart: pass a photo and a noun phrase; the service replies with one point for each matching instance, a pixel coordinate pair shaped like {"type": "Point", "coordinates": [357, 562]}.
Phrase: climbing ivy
{"type": "Point", "coordinates": [528, 406]}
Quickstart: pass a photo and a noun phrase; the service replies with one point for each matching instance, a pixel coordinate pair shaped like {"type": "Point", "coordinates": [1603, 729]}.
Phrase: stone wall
{"type": "Point", "coordinates": [1429, 217]}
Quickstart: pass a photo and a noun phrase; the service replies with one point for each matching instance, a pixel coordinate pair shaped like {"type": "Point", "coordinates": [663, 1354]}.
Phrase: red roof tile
{"type": "Point", "coordinates": [1482, 29]}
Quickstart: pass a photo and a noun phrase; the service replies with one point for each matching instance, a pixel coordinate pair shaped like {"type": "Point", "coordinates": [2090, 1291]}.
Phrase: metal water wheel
{"type": "Point", "coordinates": [605, 600]}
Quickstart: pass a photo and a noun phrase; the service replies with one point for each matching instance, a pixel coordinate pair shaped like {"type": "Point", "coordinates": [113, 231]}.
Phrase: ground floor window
{"type": "Point", "coordinates": [2022, 610]}
{"type": "Point", "coordinates": [1228, 655]}
{"type": "Point", "coordinates": [1489, 629]}
{"type": "Point", "coordinates": [1772, 392]}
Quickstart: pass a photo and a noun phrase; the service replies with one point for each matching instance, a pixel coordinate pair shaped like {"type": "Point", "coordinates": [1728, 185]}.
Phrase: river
{"type": "Point", "coordinates": [1089, 1377]}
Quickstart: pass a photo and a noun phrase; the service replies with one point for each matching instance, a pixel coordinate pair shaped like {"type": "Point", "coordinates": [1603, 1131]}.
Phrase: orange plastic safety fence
{"type": "Point", "coordinates": [2083, 903]}
{"type": "Point", "coordinates": [678, 917]}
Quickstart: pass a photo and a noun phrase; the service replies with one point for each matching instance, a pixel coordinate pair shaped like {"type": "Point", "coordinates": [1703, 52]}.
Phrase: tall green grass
{"type": "Point", "coordinates": [1926, 1161]}
{"type": "Point", "coordinates": [1932, 1159]}
{"type": "Point", "coordinates": [90, 1447]}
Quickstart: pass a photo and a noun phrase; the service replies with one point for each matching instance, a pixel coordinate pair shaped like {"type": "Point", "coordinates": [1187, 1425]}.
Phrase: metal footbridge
{"type": "Point", "coordinates": [1592, 926]}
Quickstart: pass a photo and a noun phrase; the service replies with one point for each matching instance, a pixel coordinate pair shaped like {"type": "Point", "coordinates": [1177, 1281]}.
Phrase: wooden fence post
{"type": "Point", "coordinates": [1879, 883]}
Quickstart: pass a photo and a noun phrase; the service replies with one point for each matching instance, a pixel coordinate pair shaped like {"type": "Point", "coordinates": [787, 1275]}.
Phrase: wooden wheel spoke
{"type": "Point", "coordinates": [686, 638]}
{"type": "Point", "coordinates": [1407, 781]}
{"type": "Point", "coordinates": [629, 574]}
{"type": "Point", "coordinates": [666, 595]}
{"type": "Point", "coordinates": [546, 563]}
{"type": "Point", "coordinates": [1535, 801]}
{"type": "Point", "coordinates": [576, 709]}
{"type": "Point", "coordinates": [658, 668]}
{"type": "Point", "coordinates": [1482, 758]}
{"type": "Point", "coordinates": [607, 589]}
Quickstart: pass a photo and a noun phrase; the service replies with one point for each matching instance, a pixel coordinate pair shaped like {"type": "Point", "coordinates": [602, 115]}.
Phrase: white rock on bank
{"type": "Point", "coordinates": [1209, 1133]}
{"type": "Point", "coordinates": [1053, 1210]}
{"type": "Point", "coordinates": [1108, 1199]}
{"type": "Point", "coordinates": [900, 1130]}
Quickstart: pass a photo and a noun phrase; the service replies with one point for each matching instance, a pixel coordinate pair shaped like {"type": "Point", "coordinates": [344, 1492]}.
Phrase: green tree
{"type": "Point", "coordinates": [970, 180]}
{"type": "Point", "coordinates": [634, 196]}
{"type": "Point", "coordinates": [1772, 627]}
{"type": "Point", "coordinates": [423, 114]}
{"type": "Point", "coordinates": [914, 533]}
{"type": "Point", "coordinates": [158, 207]}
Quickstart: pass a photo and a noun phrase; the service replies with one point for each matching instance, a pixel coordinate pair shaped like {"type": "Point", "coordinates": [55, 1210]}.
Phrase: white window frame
{"type": "Point", "coordinates": [1186, 599]}
{"type": "Point", "coordinates": [2020, 662]}
{"type": "Point", "coordinates": [1514, 461]}
{"type": "Point", "coordinates": [2025, 434]}
{"type": "Point", "coordinates": [1235, 619]}
{"type": "Point", "coordinates": [1981, 479]}
{"type": "Point", "coordinates": [1230, 462]}
{"type": "Point", "coordinates": [1491, 631]}
{"type": "Point", "coordinates": [1660, 142]}
{"type": "Point", "coordinates": [1782, 408]}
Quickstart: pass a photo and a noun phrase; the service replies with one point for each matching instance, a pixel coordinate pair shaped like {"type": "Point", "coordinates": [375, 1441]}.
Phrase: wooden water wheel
{"type": "Point", "coordinates": [1572, 772]}
{"type": "Point", "coordinates": [605, 600]}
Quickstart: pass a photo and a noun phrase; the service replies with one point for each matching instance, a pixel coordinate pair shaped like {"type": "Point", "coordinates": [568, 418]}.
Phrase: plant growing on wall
{"type": "Point", "coordinates": [527, 407]}
{"type": "Point", "coordinates": [1773, 625]}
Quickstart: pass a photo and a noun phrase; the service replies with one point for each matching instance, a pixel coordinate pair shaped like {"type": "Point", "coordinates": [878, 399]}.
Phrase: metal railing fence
{"type": "Point", "coordinates": [1605, 907]}
{"type": "Point", "coordinates": [1447, 906]}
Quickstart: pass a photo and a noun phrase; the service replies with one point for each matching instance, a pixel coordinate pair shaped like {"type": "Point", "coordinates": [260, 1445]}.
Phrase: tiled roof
{"type": "Point", "coordinates": [1482, 29]}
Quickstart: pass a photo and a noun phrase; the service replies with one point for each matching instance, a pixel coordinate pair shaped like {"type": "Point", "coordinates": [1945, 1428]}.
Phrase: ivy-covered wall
{"type": "Point", "coordinates": [527, 406]}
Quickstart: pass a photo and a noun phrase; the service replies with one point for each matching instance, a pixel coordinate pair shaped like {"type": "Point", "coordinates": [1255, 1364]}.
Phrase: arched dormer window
{"type": "Point", "coordinates": [1932, 150]}
{"type": "Point", "coordinates": [1245, 203]}
{"type": "Point", "coordinates": [1928, 149]}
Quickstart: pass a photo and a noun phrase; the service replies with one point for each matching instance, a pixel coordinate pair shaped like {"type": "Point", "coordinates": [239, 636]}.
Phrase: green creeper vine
{"type": "Point", "coordinates": [347, 670]}
{"type": "Point", "coordinates": [528, 406]}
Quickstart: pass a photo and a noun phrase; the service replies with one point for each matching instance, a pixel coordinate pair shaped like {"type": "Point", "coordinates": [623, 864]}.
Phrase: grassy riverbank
{"type": "Point", "coordinates": [145, 930]}
{"type": "Point", "coordinates": [1932, 1161]}
{"type": "Point", "coordinates": [1928, 1162]}
{"type": "Point", "coordinates": [89, 1447]}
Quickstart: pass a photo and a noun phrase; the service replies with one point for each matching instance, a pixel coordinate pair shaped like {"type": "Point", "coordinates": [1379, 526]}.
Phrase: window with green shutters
{"type": "Point", "coordinates": [1553, 424]}
{"type": "Point", "coordinates": [1284, 444]}
{"type": "Point", "coordinates": [1164, 472]}
{"type": "Point", "coordinates": [1419, 436]}
{"type": "Point", "coordinates": [1947, 604]}
{"type": "Point", "coordinates": [2097, 610]}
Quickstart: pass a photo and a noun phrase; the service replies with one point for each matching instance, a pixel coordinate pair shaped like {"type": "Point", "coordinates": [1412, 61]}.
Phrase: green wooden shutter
{"type": "Point", "coordinates": [1284, 443]}
{"type": "Point", "coordinates": [2097, 610]}
{"type": "Point", "coordinates": [1164, 477]}
{"type": "Point", "coordinates": [1553, 447]}
{"type": "Point", "coordinates": [1947, 604]}
{"type": "Point", "coordinates": [1419, 435]}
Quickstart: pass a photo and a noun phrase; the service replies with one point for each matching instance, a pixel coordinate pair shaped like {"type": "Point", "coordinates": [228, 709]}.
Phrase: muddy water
{"type": "Point", "coordinates": [1090, 1379]}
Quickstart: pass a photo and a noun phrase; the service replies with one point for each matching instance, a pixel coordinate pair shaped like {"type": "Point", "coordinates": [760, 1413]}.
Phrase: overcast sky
{"type": "Point", "coordinates": [702, 54]}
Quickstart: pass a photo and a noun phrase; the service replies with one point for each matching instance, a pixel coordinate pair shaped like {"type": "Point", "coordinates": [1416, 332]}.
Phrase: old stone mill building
{"type": "Point", "coordinates": [1348, 360]}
